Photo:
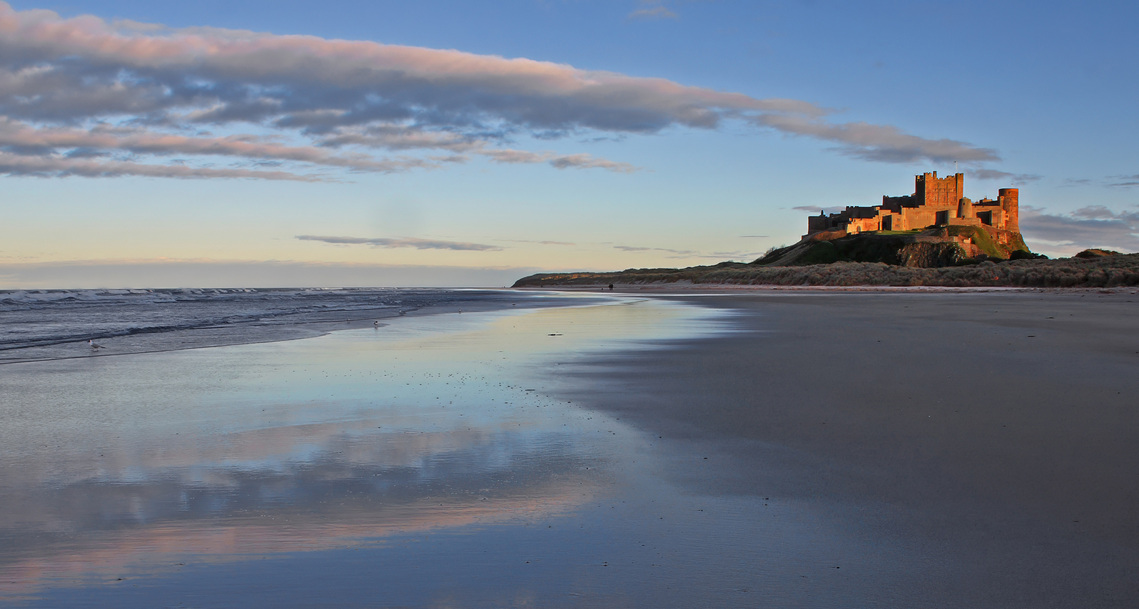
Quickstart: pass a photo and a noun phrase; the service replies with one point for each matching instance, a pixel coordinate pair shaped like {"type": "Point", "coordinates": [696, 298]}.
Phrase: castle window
{"type": "Point", "coordinates": [986, 217]}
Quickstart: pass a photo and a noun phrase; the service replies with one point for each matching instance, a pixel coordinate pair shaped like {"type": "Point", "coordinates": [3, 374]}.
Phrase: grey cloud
{"type": "Point", "coordinates": [22, 138]}
{"type": "Point", "coordinates": [422, 244]}
{"type": "Point", "coordinates": [587, 161]}
{"type": "Point", "coordinates": [653, 12]}
{"type": "Point", "coordinates": [883, 143]}
{"type": "Point", "coordinates": [1087, 227]}
{"type": "Point", "coordinates": [1118, 181]}
{"type": "Point", "coordinates": [397, 137]}
{"type": "Point", "coordinates": [633, 248]}
{"type": "Point", "coordinates": [515, 156]}
{"type": "Point", "coordinates": [333, 93]}
{"type": "Point", "coordinates": [834, 209]}
{"type": "Point", "coordinates": [1124, 181]}
{"type": "Point", "coordinates": [1098, 212]}
{"type": "Point", "coordinates": [567, 243]}
{"type": "Point", "coordinates": [1011, 178]}
{"type": "Point", "coordinates": [566, 161]}
{"type": "Point", "coordinates": [721, 256]}
{"type": "Point", "coordinates": [59, 167]}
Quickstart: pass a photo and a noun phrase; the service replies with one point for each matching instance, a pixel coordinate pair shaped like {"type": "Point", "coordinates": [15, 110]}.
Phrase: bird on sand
{"type": "Point", "coordinates": [95, 345]}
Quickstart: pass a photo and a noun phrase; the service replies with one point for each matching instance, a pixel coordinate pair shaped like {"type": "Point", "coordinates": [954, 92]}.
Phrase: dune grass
{"type": "Point", "coordinates": [1104, 271]}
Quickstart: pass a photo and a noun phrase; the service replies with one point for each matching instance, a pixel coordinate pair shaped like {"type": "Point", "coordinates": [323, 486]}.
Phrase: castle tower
{"type": "Point", "coordinates": [965, 208]}
{"type": "Point", "coordinates": [1009, 199]}
{"type": "Point", "coordinates": [931, 190]}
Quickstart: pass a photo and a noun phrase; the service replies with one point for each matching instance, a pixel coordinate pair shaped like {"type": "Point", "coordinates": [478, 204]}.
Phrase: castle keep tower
{"type": "Point", "coordinates": [930, 190]}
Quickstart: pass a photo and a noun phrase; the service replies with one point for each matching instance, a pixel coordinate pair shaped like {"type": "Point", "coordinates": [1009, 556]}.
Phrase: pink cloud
{"type": "Point", "coordinates": [324, 96]}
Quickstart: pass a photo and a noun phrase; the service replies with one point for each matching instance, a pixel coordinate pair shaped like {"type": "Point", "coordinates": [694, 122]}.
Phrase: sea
{"type": "Point", "coordinates": [57, 324]}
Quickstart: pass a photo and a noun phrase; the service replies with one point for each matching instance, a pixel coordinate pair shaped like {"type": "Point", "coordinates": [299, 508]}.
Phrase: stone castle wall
{"type": "Point", "coordinates": [935, 202]}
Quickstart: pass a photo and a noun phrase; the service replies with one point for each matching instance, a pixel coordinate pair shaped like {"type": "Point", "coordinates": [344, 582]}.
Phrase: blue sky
{"type": "Point", "coordinates": [252, 143]}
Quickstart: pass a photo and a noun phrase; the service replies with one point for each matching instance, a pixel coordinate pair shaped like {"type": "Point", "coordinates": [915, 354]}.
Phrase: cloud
{"type": "Point", "coordinates": [102, 140]}
{"type": "Point", "coordinates": [678, 254]}
{"type": "Point", "coordinates": [757, 236]}
{"type": "Point", "coordinates": [633, 248]}
{"type": "Point", "coordinates": [588, 161]}
{"type": "Point", "coordinates": [563, 161]}
{"type": "Point", "coordinates": [653, 11]}
{"type": "Point", "coordinates": [1093, 226]}
{"type": "Point", "coordinates": [567, 243]}
{"type": "Point", "coordinates": [320, 104]}
{"type": "Point", "coordinates": [882, 143]}
{"type": "Point", "coordinates": [1011, 178]}
{"type": "Point", "coordinates": [1118, 181]}
{"type": "Point", "coordinates": [422, 244]}
{"type": "Point", "coordinates": [57, 167]}
{"type": "Point", "coordinates": [834, 209]}
{"type": "Point", "coordinates": [1124, 181]}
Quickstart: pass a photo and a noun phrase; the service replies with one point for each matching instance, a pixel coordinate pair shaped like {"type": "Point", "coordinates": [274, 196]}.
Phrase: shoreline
{"type": "Point", "coordinates": [687, 288]}
{"type": "Point", "coordinates": [205, 337]}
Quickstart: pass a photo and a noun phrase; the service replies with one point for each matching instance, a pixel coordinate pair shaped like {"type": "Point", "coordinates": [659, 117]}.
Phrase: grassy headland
{"type": "Point", "coordinates": [1090, 269]}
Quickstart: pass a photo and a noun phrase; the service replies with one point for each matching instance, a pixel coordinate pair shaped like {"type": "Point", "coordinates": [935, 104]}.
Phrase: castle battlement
{"type": "Point", "coordinates": [935, 202]}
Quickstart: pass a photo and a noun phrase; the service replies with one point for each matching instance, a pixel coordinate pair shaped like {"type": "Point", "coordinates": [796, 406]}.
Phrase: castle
{"type": "Point", "coordinates": [935, 202]}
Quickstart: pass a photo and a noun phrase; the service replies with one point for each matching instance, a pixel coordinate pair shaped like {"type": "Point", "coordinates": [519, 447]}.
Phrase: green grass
{"type": "Point", "coordinates": [985, 242]}
{"type": "Point", "coordinates": [1105, 271]}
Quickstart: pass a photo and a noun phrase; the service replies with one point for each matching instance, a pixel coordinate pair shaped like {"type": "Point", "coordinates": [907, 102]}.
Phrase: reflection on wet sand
{"type": "Point", "coordinates": [145, 463]}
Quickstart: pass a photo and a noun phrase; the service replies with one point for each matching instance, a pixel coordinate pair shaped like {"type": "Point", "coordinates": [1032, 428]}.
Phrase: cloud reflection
{"type": "Point", "coordinates": [140, 464]}
{"type": "Point", "coordinates": [284, 489]}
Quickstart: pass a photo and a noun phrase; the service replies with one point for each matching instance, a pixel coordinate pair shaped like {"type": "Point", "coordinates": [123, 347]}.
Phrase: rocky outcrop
{"type": "Point", "coordinates": [1096, 253]}
{"type": "Point", "coordinates": [931, 255]}
{"type": "Point", "coordinates": [931, 248]}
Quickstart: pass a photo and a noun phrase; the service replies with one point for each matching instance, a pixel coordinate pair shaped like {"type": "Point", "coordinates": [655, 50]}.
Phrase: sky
{"type": "Point", "coordinates": [446, 143]}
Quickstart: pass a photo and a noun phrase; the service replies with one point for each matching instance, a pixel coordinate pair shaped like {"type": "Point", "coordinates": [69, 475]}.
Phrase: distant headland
{"type": "Point", "coordinates": [933, 237]}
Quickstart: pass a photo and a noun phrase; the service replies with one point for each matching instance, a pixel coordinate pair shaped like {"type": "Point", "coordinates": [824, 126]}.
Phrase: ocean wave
{"type": "Point", "coordinates": [38, 320]}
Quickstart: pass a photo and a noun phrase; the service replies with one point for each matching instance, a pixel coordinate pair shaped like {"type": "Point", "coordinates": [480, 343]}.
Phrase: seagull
{"type": "Point", "coordinates": [95, 345]}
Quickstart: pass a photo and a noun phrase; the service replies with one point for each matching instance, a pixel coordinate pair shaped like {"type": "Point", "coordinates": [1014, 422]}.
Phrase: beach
{"type": "Point", "coordinates": [758, 448]}
{"type": "Point", "coordinates": [990, 436]}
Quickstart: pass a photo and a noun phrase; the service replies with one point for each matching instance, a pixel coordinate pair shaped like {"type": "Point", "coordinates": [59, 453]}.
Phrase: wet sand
{"type": "Point", "coordinates": [418, 464]}
{"type": "Point", "coordinates": [990, 439]}
{"type": "Point", "coordinates": [762, 449]}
